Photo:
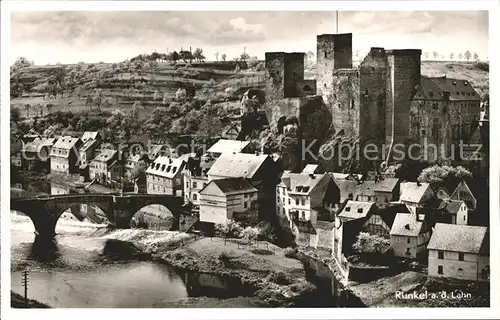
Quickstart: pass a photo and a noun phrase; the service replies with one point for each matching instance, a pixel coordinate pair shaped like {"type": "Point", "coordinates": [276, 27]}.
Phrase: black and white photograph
{"type": "Point", "coordinates": [216, 158]}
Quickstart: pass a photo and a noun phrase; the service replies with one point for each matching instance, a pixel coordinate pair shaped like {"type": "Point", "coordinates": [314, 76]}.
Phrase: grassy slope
{"type": "Point", "coordinates": [166, 78]}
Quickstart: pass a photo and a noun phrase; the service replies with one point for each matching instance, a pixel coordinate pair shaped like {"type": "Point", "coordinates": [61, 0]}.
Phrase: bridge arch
{"type": "Point", "coordinates": [44, 212]}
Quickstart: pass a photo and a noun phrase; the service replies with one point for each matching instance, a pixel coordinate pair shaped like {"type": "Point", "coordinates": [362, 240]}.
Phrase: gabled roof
{"type": "Point", "coordinates": [406, 224]}
{"type": "Point", "coordinates": [301, 183]}
{"type": "Point", "coordinates": [462, 183]}
{"type": "Point", "coordinates": [66, 142]}
{"type": "Point", "coordinates": [237, 165]}
{"type": "Point", "coordinates": [232, 186]}
{"type": "Point", "coordinates": [346, 187]}
{"type": "Point", "coordinates": [443, 193]}
{"type": "Point", "coordinates": [105, 155]}
{"type": "Point", "coordinates": [356, 209]}
{"type": "Point", "coordinates": [413, 191]}
{"type": "Point", "coordinates": [388, 212]}
{"type": "Point", "coordinates": [89, 135]}
{"type": "Point", "coordinates": [459, 238]}
{"type": "Point", "coordinates": [310, 168]}
{"type": "Point", "coordinates": [88, 143]}
{"type": "Point", "coordinates": [432, 88]}
{"type": "Point", "coordinates": [366, 188]}
{"type": "Point", "coordinates": [453, 206]}
{"type": "Point", "coordinates": [228, 146]}
{"type": "Point", "coordinates": [386, 185]}
{"type": "Point", "coordinates": [345, 176]}
{"type": "Point", "coordinates": [165, 167]}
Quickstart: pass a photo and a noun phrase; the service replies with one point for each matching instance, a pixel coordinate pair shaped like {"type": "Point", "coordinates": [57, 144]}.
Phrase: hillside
{"type": "Point", "coordinates": [124, 84]}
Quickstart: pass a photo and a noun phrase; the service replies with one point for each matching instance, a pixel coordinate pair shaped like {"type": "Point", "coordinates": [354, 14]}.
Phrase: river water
{"type": "Point", "coordinates": [76, 275]}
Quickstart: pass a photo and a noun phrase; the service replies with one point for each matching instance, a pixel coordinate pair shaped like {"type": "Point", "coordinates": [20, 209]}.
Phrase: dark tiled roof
{"type": "Point", "coordinates": [433, 88]}
{"type": "Point", "coordinates": [234, 185]}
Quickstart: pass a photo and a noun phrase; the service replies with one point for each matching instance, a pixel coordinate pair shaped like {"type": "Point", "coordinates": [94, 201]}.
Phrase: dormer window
{"type": "Point", "coordinates": [360, 210]}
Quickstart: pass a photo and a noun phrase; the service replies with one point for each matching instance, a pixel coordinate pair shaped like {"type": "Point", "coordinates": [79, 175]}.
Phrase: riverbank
{"type": "Point", "coordinates": [17, 301]}
{"type": "Point", "coordinates": [261, 270]}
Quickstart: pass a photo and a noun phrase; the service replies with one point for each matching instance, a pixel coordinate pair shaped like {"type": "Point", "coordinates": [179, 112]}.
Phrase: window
{"type": "Point", "coordinates": [194, 185]}
{"type": "Point", "coordinates": [408, 240]}
{"type": "Point", "coordinates": [440, 269]}
{"type": "Point", "coordinates": [246, 204]}
{"type": "Point", "coordinates": [460, 272]}
{"type": "Point", "coordinates": [386, 199]}
{"type": "Point", "coordinates": [325, 54]}
{"type": "Point", "coordinates": [440, 255]}
{"type": "Point", "coordinates": [324, 85]}
{"type": "Point", "coordinates": [303, 202]}
{"type": "Point", "coordinates": [350, 196]}
{"type": "Point", "coordinates": [195, 196]}
{"type": "Point", "coordinates": [289, 201]}
{"type": "Point", "coordinates": [297, 201]}
{"type": "Point", "coordinates": [460, 256]}
{"type": "Point", "coordinates": [408, 252]}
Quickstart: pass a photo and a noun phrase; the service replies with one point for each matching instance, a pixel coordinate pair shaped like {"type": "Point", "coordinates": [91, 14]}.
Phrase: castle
{"type": "Point", "coordinates": [385, 101]}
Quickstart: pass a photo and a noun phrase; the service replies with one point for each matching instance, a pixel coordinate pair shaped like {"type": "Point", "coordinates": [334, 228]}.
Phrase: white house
{"type": "Point", "coordinates": [416, 194]}
{"type": "Point", "coordinates": [410, 234]}
{"type": "Point", "coordinates": [164, 176]}
{"type": "Point", "coordinates": [221, 199]}
{"type": "Point", "coordinates": [459, 252]}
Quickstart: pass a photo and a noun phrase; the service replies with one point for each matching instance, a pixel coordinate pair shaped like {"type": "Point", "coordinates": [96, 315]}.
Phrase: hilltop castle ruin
{"type": "Point", "coordinates": [385, 101]}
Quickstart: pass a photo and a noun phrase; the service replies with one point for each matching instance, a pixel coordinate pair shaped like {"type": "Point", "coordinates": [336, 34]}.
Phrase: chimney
{"type": "Point", "coordinates": [418, 183]}
{"type": "Point", "coordinates": [311, 175]}
{"type": "Point", "coordinates": [169, 160]}
{"type": "Point", "coordinates": [257, 152]}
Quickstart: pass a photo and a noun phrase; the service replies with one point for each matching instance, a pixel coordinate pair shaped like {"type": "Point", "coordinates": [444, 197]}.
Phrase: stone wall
{"type": "Point", "coordinates": [334, 51]}
{"type": "Point", "coordinates": [344, 101]}
{"type": "Point", "coordinates": [373, 72]}
{"type": "Point", "coordinates": [275, 75]}
{"type": "Point", "coordinates": [294, 72]}
{"type": "Point", "coordinates": [403, 77]}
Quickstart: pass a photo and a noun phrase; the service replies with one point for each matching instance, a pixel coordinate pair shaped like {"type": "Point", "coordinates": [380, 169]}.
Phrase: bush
{"type": "Point", "coordinates": [484, 66]}
{"type": "Point", "coordinates": [230, 230]}
{"type": "Point", "coordinates": [279, 277]}
{"type": "Point", "coordinates": [250, 234]}
{"type": "Point", "coordinates": [368, 243]}
{"type": "Point", "coordinates": [263, 252]}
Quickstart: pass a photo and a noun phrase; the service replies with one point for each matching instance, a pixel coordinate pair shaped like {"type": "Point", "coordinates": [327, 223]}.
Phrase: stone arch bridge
{"type": "Point", "coordinates": [45, 211]}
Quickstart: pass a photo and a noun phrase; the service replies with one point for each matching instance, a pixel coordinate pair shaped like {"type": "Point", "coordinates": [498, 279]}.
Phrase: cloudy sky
{"type": "Point", "coordinates": [69, 37]}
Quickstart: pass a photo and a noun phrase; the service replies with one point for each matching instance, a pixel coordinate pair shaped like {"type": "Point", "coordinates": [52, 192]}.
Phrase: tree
{"type": "Point", "coordinates": [467, 55]}
{"type": "Point", "coordinates": [27, 108]}
{"type": "Point", "coordinates": [244, 56]}
{"type": "Point", "coordinates": [98, 98]}
{"type": "Point", "coordinates": [21, 62]}
{"type": "Point", "coordinates": [15, 115]}
{"type": "Point", "coordinates": [138, 172]}
{"type": "Point", "coordinates": [231, 229]}
{"type": "Point", "coordinates": [368, 243]}
{"type": "Point", "coordinates": [436, 55]}
{"type": "Point", "coordinates": [460, 56]}
{"type": "Point", "coordinates": [216, 56]}
{"type": "Point", "coordinates": [181, 95]}
{"type": "Point", "coordinates": [437, 175]}
{"type": "Point", "coordinates": [198, 55]}
{"type": "Point", "coordinates": [223, 57]}
{"type": "Point", "coordinates": [476, 56]}
{"type": "Point", "coordinates": [427, 54]}
{"type": "Point", "coordinates": [186, 56]}
{"type": "Point", "coordinates": [250, 234]}
{"type": "Point", "coordinates": [451, 56]}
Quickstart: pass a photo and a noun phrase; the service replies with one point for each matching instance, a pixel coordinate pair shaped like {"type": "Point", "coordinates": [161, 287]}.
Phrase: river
{"type": "Point", "coordinates": [77, 276]}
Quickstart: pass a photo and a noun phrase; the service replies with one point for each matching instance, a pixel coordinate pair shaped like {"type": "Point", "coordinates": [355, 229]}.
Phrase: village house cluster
{"type": "Point", "coordinates": [325, 210]}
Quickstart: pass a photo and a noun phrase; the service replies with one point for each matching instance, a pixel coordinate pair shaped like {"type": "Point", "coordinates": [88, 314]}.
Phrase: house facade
{"type": "Point", "coordinates": [106, 167]}
{"type": "Point", "coordinates": [410, 234]}
{"type": "Point", "coordinates": [64, 155]}
{"type": "Point", "coordinates": [386, 190]}
{"type": "Point", "coordinates": [221, 199]}
{"type": "Point", "coordinates": [164, 176]}
{"type": "Point", "coordinates": [459, 252]}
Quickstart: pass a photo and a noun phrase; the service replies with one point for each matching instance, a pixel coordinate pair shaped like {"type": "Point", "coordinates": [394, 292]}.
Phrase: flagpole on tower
{"type": "Point", "coordinates": [337, 21]}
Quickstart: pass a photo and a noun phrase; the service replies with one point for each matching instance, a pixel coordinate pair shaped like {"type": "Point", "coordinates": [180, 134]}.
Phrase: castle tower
{"type": "Point", "coordinates": [283, 71]}
{"type": "Point", "coordinates": [334, 51]}
{"type": "Point", "coordinates": [403, 77]}
{"type": "Point", "coordinates": [373, 73]}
